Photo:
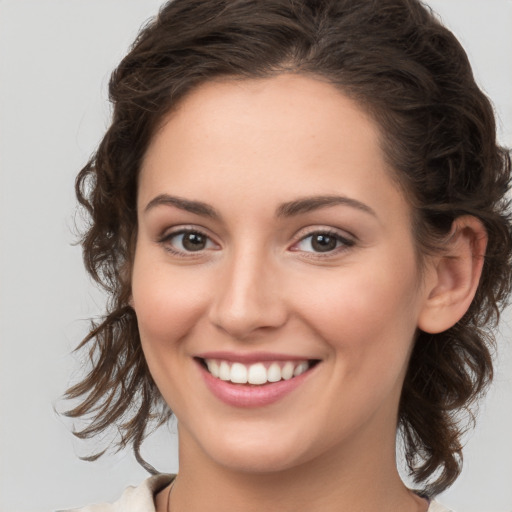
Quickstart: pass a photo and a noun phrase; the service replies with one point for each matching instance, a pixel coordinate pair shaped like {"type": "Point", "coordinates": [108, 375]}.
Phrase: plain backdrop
{"type": "Point", "coordinates": [55, 60]}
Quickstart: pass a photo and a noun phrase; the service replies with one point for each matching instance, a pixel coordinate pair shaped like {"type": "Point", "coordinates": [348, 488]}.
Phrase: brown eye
{"type": "Point", "coordinates": [323, 243]}
{"type": "Point", "coordinates": [186, 241]}
{"type": "Point", "coordinates": [193, 241]}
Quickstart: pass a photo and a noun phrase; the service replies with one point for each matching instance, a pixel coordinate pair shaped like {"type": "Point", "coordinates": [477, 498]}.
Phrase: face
{"type": "Point", "coordinates": [274, 247]}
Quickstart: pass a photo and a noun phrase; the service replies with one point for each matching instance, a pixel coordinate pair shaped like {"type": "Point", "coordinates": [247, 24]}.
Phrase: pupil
{"type": "Point", "coordinates": [323, 243]}
{"type": "Point", "coordinates": [194, 242]}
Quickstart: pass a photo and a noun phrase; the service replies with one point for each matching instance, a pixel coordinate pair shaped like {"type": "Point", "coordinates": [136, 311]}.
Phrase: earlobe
{"type": "Point", "coordinates": [454, 275]}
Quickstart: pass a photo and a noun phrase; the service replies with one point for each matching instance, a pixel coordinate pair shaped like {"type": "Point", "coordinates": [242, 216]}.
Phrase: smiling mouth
{"type": "Point", "coordinates": [257, 374]}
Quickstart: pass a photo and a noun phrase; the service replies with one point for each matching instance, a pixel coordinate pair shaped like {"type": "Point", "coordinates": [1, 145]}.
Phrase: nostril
{"type": "Point", "coordinates": [247, 302]}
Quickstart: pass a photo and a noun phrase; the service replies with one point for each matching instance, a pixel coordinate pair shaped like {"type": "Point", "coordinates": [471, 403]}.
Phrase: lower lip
{"type": "Point", "coordinates": [247, 395]}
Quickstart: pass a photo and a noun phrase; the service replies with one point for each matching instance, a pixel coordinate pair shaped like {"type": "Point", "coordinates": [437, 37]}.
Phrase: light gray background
{"type": "Point", "coordinates": [55, 59]}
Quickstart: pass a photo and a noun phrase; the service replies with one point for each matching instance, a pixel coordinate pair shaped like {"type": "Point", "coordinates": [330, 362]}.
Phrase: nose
{"type": "Point", "coordinates": [248, 299]}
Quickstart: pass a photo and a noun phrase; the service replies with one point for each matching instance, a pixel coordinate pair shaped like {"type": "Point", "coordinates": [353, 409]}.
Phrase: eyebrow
{"type": "Point", "coordinates": [197, 207]}
{"type": "Point", "coordinates": [289, 209]}
{"type": "Point", "coordinates": [308, 204]}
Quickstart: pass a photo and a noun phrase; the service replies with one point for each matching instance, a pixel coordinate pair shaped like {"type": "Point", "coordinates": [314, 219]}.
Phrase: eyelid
{"type": "Point", "coordinates": [348, 240]}
{"type": "Point", "coordinates": [174, 231]}
{"type": "Point", "coordinates": [320, 228]}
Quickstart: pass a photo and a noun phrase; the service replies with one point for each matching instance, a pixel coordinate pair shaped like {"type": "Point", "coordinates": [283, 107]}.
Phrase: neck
{"type": "Point", "coordinates": [357, 478]}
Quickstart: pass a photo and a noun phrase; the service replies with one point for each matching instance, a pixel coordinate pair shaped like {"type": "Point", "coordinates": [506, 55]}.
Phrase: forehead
{"type": "Point", "coordinates": [289, 135]}
{"type": "Point", "coordinates": [302, 106]}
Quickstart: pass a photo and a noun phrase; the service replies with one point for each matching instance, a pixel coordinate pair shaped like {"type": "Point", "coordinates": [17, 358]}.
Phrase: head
{"type": "Point", "coordinates": [435, 129]}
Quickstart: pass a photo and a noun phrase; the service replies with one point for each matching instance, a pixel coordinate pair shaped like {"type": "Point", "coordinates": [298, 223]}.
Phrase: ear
{"type": "Point", "coordinates": [453, 276]}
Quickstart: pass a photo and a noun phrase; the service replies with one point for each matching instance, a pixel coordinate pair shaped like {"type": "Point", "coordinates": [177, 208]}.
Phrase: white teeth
{"type": "Point", "coordinates": [238, 374]}
{"type": "Point", "coordinates": [274, 373]}
{"type": "Point", "coordinates": [213, 367]}
{"type": "Point", "coordinates": [224, 371]}
{"type": "Point", "coordinates": [257, 373]}
{"type": "Point", "coordinates": [301, 368]}
{"type": "Point", "coordinates": [287, 371]}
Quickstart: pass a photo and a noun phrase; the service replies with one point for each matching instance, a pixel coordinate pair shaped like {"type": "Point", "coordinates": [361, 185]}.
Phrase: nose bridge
{"type": "Point", "coordinates": [248, 296]}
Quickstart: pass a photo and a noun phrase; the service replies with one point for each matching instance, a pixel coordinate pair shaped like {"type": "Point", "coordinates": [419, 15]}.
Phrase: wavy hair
{"type": "Point", "coordinates": [438, 133]}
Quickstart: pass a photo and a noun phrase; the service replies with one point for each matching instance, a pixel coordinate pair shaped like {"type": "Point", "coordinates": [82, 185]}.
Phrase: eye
{"type": "Point", "coordinates": [187, 240]}
{"type": "Point", "coordinates": [322, 242]}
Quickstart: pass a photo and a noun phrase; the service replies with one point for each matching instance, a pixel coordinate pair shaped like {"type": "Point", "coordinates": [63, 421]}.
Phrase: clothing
{"type": "Point", "coordinates": [133, 499]}
{"type": "Point", "coordinates": [141, 498]}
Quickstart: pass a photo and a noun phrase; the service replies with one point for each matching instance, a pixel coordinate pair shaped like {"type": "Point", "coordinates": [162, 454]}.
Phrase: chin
{"type": "Point", "coordinates": [255, 460]}
{"type": "Point", "coordinates": [258, 448]}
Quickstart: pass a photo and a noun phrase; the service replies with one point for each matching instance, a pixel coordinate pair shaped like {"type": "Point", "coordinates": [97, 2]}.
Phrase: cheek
{"type": "Point", "coordinates": [367, 315]}
{"type": "Point", "coordinates": [167, 303]}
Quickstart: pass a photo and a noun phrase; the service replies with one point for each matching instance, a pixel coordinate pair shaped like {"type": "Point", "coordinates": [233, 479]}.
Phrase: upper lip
{"type": "Point", "coordinates": [251, 357]}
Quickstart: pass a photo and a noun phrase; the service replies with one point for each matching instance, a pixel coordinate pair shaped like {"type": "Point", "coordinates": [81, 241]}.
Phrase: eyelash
{"type": "Point", "coordinates": [343, 243]}
{"type": "Point", "coordinates": [166, 239]}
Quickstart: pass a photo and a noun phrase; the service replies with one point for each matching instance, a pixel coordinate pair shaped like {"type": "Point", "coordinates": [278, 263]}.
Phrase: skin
{"type": "Point", "coordinates": [246, 148]}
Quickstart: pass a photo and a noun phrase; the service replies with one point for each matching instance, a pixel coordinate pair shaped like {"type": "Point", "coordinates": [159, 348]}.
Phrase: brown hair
{"type": "Point", "coordinates": [439, 134]}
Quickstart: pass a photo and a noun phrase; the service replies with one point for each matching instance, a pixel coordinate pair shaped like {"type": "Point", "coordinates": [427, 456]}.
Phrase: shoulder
{"type": "Point", "coordinates": [437, 507]}
{"type": "Point", "coordinates": [133, 499]}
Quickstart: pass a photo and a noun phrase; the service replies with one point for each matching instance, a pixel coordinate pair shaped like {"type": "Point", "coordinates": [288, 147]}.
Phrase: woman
{"type": "Point", "coordinates": [299, 214]}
